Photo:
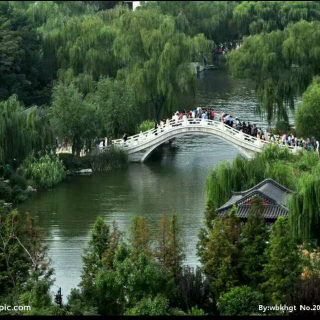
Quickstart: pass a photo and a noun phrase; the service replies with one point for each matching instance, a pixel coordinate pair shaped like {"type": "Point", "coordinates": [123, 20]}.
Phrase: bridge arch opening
{"type": "Point", "coordinates": [148, 152]}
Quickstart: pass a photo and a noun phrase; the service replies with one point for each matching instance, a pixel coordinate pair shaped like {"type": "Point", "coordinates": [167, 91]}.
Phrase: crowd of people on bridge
{"type": "Point", "coordinates": [246, 127]}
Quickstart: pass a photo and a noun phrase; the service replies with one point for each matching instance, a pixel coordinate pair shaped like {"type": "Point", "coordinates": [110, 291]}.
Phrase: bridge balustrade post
{"type": "Point", "coordinates": [259, 142]}
{"type": "Point", "coordinates": [241, 135]}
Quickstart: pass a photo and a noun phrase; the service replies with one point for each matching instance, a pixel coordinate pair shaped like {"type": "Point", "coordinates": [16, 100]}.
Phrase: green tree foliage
{"type": "Point", "coordinates": [24, 265]}
{"type": "Point", "coordinates": [170, 246]}
{"type": "Point", "coordinates": [102, 5]}
{"type": "Point", "coordinates": [159, 306]}
{"type": "Point", "coordinates": [73, 36]}
{"type": "Point", "coordinates": [283, 265]}
{"type": "Point", "coordinates": [140, 236]}
{"type": "Point", "coordinates": [212, 18]}
{"type": "Point", "coordinates": [210, 215]}
{"type": "Point", "coordinates": [131, 282]}
{"type": "Point", "coordinates": [21, 132]}
{"type": "Point", "coordinates": [117, 107]}
{"type": "Point", "coordinates": [254, 241]}
{"type": "Point", "coordinates": [280, 64]}
{"type": "Point", "coordinates": [156, 57]}
{"type": "Point", "coordinates": [306, 289]}
{"type": "Point", "coordinates": [74, 117]}
{"type": "Point", "coordinates": [20, 55]}
{"type": "Point", "coordinates": [14, 264]}
{"type": "Point", "coordinates": [193, 290]}
{"type": "Point", "coordinates": [99, 254]}
{"type": "Point", "coordinates": [240, 301]}
{"type": "Point", "coordinates": [92, 258]}
{"type": "Point", "coordinates": [121, 279]}
{"type": "Point", "coordinates": [308, 111]}
{"type": "Point", "coordinates": [304, 212]}
{"type": "Point", "coordinates": [255, 17]}
{"type": "Point", "coordinates": [115, 240]}
{"type": "Point", "coordinates": [221, 261]}
{"type": "Point", "coordinates": [145, 126]}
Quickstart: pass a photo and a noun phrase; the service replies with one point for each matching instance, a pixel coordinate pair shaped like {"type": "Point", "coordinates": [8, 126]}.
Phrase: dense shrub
{"type": "Point", "coordinates": [75, 163]}
{"type": "Point", "coordinates": [113, 158]}
{"type": "Point", "coordinates": [5, 172]}
{"type": "Point", "coordinates": [46, 171]}
{"type": "Point", "coordinates": [194, 288]}
{"type": "Point", "coordinates": [5, 192]}
{"type": "Point", "coordinates": [18, 195]}
{"type": "Point", "coordinates": [240, 301]}
{"type": "Point", "coordinates": [67, 160]}
{"type": "Point", "coordinates": [16, 180]}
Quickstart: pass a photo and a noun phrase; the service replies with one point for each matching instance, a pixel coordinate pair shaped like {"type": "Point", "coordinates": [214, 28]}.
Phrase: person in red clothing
{"type": "Point", "coordinates": [212, 115]}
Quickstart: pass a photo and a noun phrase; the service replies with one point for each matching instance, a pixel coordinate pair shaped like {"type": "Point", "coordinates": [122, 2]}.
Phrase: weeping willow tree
{"type": "Point", "coordinates": [308, 111]}
{"type": "Point", "coordinates": [304, 207]}
{"type": "Point", "coordinates": [281, 64]}
{"type": "Point", "coordinates": [244, 174]}
{"type": "Point", "coordinates": [255, 17]}
{"type": "Point", "coordinates": [74, 36]}
{"type": "Point", "coordinates": [22, 132]}
{"type": "Point", "coordinates": [212, 18]}
{"type": "Point", "coordinates": [156, 57]}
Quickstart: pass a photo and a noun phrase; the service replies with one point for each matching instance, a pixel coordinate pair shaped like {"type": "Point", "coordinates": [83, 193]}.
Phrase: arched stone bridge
{"type": "Point", "coordinates": [140, 146]}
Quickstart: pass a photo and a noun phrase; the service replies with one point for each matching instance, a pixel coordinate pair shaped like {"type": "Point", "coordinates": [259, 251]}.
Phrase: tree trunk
{"type": "Point", "coordinates": [76, 148]}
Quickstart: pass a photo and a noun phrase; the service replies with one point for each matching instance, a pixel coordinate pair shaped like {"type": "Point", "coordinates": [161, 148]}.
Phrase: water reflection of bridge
{"type": "Point", "coordinates": [140, 146]}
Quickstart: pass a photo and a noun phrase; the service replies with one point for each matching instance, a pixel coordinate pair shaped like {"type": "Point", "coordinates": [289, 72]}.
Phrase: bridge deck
{"type": "Point", "coordinates": [173, 128]}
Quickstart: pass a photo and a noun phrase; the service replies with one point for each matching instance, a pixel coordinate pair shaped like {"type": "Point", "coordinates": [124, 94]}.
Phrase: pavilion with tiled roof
{"type": "Point", "coordinates": [274, 199]}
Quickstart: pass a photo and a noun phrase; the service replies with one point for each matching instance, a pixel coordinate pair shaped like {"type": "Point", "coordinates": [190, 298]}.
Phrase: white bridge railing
{"type": "Point", "coordinates": [229, 133]}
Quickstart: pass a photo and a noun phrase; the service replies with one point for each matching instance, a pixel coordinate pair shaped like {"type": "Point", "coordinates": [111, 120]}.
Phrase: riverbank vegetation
{"type": "Point", "coordinates": [112, 158]}
{"type": "Point", "coordinates": [43, 172]}
{"type": "Point", "coordinates": [298, 173]}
